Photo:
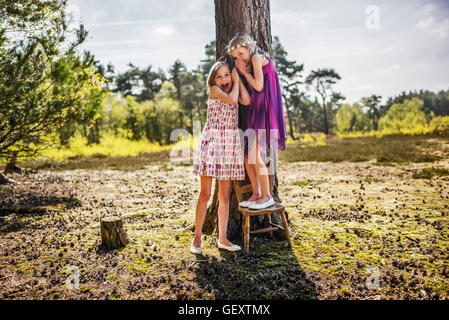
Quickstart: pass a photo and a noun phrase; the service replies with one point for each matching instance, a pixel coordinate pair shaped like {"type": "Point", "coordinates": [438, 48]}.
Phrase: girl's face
{"type": "Point", "coordinates": [241, 53]}
{"type": "Point", "coordinates": [223, 79]}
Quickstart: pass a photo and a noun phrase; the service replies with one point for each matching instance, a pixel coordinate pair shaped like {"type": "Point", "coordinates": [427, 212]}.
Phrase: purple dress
{"type": "Point", "coordinates": [266, 112]}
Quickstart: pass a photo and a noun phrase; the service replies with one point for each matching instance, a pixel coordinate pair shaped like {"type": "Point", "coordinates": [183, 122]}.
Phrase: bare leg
{"type": "Point", "coordinates": [223, 211]}
{"type": "Point", "coordinates": [201, 208]}
{"type": "Point", "coordinates": [251, 170]}
{"type": "Point", "coordinates": [261, 174]}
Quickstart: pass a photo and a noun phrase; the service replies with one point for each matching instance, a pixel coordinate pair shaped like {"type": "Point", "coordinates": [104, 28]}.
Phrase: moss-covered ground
{"type": "Point", "coordinates": [365, 223]}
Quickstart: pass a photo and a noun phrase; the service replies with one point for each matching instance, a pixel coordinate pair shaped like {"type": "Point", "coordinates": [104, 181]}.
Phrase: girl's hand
{"type": "Point", "coordinates": [241, 66]}
{"type": "Point", "coordinates": [235, 76]}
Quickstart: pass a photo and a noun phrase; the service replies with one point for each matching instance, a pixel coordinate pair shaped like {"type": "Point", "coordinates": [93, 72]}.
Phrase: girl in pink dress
{"type": "Point", "coordinates": [219, 154]}
{"type": "Point", "coordinates": [265, 116]}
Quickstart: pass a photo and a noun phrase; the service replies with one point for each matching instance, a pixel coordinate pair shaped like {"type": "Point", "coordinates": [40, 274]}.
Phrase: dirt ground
{"type": "Point", "coordinates": [360, 230]}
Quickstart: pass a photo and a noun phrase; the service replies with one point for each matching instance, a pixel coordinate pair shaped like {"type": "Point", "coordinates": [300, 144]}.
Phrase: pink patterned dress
{"type": "Point", "coordinates": [219, 153]}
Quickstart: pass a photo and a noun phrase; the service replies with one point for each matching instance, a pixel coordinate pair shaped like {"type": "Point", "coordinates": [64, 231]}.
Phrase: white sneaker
{"type": "Point", "coordinates": [195, 250]}
{"type": "Point", "coordinates": [234, 247]}
{"type": "Point", "coordinates": [263, 205]}
{"type": "Point", "coordinates": [245, 204]}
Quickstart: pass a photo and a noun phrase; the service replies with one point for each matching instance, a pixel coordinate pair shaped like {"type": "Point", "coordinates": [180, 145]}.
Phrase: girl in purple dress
{"type": "Point", "coordinates": [266, 122]}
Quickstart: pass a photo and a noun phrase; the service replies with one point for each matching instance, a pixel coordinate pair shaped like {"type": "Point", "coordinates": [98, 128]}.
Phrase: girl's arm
{"type": "Point", "coordinates": [232, 97]}
{"type": "Point", "coordinates": [244, 97]}
{"type": "Point", "coordinates": [257, 81]}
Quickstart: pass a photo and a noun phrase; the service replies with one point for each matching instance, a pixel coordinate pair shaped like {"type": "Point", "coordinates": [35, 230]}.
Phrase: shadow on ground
{"type": "Point", "coordinates": [269, 271]}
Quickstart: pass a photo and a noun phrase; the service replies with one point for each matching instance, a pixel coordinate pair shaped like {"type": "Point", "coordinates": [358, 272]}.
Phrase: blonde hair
{"type": "Point", "coordinates": [242, 39]}
{"type": "Point", "coordinates": [213, 71]}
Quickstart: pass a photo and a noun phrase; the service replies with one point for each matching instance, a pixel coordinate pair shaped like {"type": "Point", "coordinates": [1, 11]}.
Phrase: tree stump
{"type": "Point", "coordinates": [113, 235]}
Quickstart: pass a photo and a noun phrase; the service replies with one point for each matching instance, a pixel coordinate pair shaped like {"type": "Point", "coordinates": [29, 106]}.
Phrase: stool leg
{"type": "Point", "coordinates": [243, 227]}
{"type": "Point", "coordinates": [284, 222]}
{"type": "Point", "coordinates": [269, 224]}
{"type": "Point", "coordinates": [246, 235]}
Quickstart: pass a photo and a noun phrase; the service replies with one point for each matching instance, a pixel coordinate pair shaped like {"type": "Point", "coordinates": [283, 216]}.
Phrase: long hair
{"type": "Point", "coordinates": [242, 39]}
{"type": "Point", "coordinates": [222, 61]}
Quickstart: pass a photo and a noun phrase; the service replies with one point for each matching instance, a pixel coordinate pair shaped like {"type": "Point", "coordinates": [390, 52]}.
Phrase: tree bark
{"type": "Point", "coordinates": [326, 125]}
{"type": "Point", "coordinates": [250, 16]}
{"type": "Point", "coordinates": [290, 123]}
{"type": "Point", "coordinates": [12, 166]}
{"type": "Point", "coordinates": [113, 235]}
{"type": "Point", "coordinates": [253, 18]}
{"type": "Point", "coordinates": [4, 179]}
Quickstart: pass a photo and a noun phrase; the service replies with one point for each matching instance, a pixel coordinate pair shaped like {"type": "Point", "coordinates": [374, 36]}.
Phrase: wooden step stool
{"type": "Point", "coordinates": [247, 213]}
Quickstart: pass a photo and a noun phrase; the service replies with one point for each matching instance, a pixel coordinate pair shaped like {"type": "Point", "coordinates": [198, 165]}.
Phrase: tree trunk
{"type": "Point", "coordinates": [252, 17]}
{"type": "Point", "coordinates": [290, 123]}
{"type": "Point", "coordinates": [4, 179]}
{"type": "Point", "coordinates": [181, 116]}
{"type": "Point", "coordinates": [113, 235]}
{"type": "Point", "coordinates": [326, 125]}
{"type": "Point", "coordinates": [12, 166]}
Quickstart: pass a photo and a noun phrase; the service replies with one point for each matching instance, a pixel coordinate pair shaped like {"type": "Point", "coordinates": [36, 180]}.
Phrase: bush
{"type": "Point", "coordinates": [439, 124]}
{"type": "Point", "coordinates": [319, 140]}
{"type": "Point", "coordinates": [111, 144]}
{"type": "Point", "coordinates": [351, 119]}
{"type": "Point", "coordinates": [406, 118]}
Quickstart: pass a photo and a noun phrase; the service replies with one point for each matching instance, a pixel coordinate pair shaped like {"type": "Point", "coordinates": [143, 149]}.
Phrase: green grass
{"type": "Point", "coordinates": [383, 150]}
{"type": "Point", "coordinates": [110, 145]}
{"type": "Point", "coordinates": [309, 140]}
{"type": "Point", "coordinates": [358, 216]}
{"type": "Point", "coordinates": [429, 173]}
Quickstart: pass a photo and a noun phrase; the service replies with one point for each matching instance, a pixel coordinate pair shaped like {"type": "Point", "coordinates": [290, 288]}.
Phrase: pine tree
{"type": "Point", "coordinates": [43, 79]}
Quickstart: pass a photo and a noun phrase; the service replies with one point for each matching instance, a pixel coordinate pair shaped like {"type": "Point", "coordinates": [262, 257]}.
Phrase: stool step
{"type": "Point", "coordinates": [276, 225]}
{"type": "Point", "coordinates": [263, 230]}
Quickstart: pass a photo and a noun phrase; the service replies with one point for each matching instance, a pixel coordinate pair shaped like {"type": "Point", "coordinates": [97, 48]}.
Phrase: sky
{"type": "Point", "coordinates": [377, 47]}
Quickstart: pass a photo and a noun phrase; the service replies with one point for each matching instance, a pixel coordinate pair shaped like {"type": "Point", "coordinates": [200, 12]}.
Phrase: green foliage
{"type": "Point", "coordinates": [372, 105]}
{"type": "Point", "coordinates": [142, 84]}
{"type": "Point", "coordinates": [407, 117]}
{"type": "Point", "coordinates": [429, 173]}
{"type": "Point", "coordinates": [438, 103]}
{"type": "Point", "coordinates": [31, 16]}
{"type": "Point", "coordinates": [351, 119]}
{"type": "Point", "coordinates": [384, 150]}
{"type": "Point", "coordinates": [43, 80]}
{"type": "Point", "coordinates": [206, 63]}
{"type": "Point", "coordinates": [190, 91]}
{"type": "Point", "coordinates": [177, 73]}
{"type": "Point", "coordinates": [322, 80]}
{"type": "Point", "coordinates": [112, 144]}
{"type": "Point", "coordinates": [167, 110]}
{"type": "Point", "coordinates": [439, 123]}
{"type": "Point", "coordinates": [313, 141]}
{"type": "Point", "coordinates": [289, 75]}
{"type": "Point", "coordinates": [153, 120]}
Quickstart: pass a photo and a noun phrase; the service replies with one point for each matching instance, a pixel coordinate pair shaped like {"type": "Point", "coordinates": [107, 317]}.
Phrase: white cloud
{"type": "Point", "coordinates": [428, 7]}
{"type": "Point", "coordinates": [296, 21]}
{"type": "Point", "coordinates": [164, 30]}
{"type": "Point", "coordinates": [431, 25]}
{"type": "Point", "coordinates": [426, 23]}
{"type": "Point", "coordinates": [117, 43]}
{"type": "Point", "coordinates": [147, 21]}
{"type": "Point", "coordinates": [394, 67]}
